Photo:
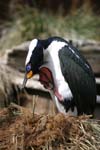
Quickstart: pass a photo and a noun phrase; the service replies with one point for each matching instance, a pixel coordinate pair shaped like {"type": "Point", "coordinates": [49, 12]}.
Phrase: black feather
{"type": "Point", "coordinates": [78, 73]}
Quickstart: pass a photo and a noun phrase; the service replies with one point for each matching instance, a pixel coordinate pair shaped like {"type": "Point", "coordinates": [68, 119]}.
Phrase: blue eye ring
{"type": "Point", "coordinates": [28, 67]}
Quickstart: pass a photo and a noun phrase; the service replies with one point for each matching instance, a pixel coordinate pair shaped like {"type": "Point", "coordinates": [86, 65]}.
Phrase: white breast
{"type": "Point", "coordinates": [52, 62]}
{"type": "Point", "coordinates": [61, 108]}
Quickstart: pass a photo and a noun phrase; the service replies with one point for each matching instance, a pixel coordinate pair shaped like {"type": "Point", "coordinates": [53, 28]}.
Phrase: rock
{"type": "Point", "coordinates": [7, 89]}
{"type": "Point", "coordinates": [91, 51]}
{"type": "Point", "coordinates": [16, 56]}
{"type": "Point", "coordinates": [93, 57]}
{"type": "Point", "coordinates": [11, 87]}
{"type": "Point", "coordinates": [12, 66]}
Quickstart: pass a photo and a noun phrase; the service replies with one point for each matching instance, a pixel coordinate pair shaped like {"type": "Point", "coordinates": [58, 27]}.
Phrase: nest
{"type": "Point", "coordinates": [21, 129]}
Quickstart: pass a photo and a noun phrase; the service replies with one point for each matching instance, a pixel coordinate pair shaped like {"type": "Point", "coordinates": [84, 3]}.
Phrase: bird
{"type": "Point", "coordinates": [64, 72]}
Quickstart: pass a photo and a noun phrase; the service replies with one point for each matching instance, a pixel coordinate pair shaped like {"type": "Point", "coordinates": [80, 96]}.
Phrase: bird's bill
{"type": "Point", "coordinates": [24, 82]}
{"type": "Point", "coordinates": [27, 76]}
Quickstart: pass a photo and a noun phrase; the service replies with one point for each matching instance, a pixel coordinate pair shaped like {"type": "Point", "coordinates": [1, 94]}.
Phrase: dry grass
{"type": "Point", "coordinates": [21, 130]}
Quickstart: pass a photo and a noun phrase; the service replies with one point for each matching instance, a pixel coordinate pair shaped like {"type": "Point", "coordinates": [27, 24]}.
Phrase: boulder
{"type": "Point", "coordinates": [7, 88]}
{"type": "Point", "coordinates": [11, 87]}
{"type": "Point", "coordinates": [16, 56]}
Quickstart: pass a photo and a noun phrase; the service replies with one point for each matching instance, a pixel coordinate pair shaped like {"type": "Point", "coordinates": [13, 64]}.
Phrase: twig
{"type": "Point", "coordinates": [34, 103]}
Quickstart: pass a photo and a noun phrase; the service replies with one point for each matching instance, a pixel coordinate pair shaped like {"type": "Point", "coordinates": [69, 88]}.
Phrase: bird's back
{"type": "Point", "coordinates": [79, 75]}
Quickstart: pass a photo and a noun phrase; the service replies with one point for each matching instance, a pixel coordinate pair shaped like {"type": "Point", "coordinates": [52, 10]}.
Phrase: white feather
{"type": "Point", "coordinates": [32, 46]}
{"type": "Point", "coordinates": [52, 62]}
{"type": "Point", "coordinates": [61, 108]}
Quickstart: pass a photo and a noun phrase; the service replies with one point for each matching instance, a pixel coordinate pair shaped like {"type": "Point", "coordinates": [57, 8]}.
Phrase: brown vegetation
{"type": "Point", "coordinates": [21, 129]}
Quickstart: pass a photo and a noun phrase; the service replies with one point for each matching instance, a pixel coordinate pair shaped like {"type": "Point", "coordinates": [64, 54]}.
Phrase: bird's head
{"type": "Point", "coordinates": [37, 63]}
{"type": "Point", "coordinates": [34, 60]}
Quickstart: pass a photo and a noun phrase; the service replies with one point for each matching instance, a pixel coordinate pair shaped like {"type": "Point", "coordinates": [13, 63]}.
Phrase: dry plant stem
{"type": "Point", "coordinates": [35, 98]}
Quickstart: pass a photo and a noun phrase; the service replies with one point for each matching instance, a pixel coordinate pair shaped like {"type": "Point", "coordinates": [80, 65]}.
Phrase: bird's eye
{"type": "Point", "coordinates": [28, 68]}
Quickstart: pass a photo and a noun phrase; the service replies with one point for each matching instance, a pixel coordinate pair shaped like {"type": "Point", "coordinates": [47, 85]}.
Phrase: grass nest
{"type": "Point", "coordinates": [21, 129]}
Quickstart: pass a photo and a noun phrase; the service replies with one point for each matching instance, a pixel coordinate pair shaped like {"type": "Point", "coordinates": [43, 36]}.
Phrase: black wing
{"type": "Point", "coordinates": [78, 73]}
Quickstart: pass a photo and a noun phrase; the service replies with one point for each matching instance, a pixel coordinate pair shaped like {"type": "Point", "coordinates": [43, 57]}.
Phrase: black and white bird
{"type": "Point", "coordinates": [64, 72]}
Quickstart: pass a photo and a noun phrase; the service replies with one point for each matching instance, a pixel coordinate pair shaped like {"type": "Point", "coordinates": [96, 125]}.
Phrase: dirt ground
{"type": "Point", "coordinates": [21, 129]}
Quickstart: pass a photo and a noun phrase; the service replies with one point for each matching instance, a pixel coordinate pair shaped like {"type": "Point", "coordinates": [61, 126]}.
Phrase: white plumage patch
{"type": "Point", "coordinates": [53, 63]}
{"type": "Point", "coordinates": [61, 108]}
{"type": "Point", "coordinates": [32, 45]}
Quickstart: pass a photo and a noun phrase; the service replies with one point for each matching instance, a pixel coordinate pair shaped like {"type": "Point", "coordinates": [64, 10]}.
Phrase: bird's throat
{"type": "Point", "coordinates": [47, 81]}
{"type": "Point", "coordinates": [46, 78]}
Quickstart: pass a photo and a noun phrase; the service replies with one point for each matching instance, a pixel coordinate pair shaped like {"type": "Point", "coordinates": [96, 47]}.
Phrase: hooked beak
{"type": "Point", "coordinates": [24, 82]}
{"type": "Point", "coordinates": [27, 76]}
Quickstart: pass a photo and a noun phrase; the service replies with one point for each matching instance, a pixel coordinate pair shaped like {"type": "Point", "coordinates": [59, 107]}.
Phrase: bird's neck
{"type": "Point", "coordinates": [45, 43]}
{"type": "Point", "coordinates": [52, 61]}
